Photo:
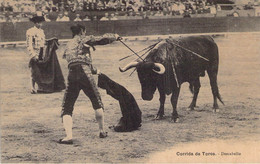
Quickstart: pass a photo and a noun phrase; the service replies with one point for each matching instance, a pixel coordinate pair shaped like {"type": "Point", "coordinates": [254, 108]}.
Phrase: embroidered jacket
{"type": "Point", "coordinates": [35, 39]}
{"type": "Point", "coordinates": [77, 49]}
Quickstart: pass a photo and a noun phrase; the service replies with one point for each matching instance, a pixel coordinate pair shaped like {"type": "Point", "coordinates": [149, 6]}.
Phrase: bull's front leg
{"type": "Point", "coordinates": [174, 100]}
{"type": "Point", "coordinates": [160, 113]}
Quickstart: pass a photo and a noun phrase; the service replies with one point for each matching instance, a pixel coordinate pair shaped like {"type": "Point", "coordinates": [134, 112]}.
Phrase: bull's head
{"type": "Point", "coordinates": [148, 74]}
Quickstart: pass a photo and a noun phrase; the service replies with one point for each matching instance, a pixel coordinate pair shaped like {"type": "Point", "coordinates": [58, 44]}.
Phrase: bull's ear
{"type": "Point", "coordinates": [160, 67]}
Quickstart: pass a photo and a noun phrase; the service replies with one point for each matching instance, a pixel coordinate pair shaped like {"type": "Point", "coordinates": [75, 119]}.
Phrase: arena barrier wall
{"type": "Point", "coordinates": [16, 32]}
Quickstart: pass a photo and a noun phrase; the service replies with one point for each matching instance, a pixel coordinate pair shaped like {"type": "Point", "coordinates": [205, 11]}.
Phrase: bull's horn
{"type": "Point", "coordinates": [161, 68]}
{"type": "Point", "coordinates": [129, 66]}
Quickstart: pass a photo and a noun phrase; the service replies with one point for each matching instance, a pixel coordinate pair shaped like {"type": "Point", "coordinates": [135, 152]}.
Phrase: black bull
{"type": "Point", "coordinates": [175, 61]}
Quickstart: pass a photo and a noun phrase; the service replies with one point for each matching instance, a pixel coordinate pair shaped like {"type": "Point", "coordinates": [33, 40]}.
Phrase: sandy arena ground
{"type": "Point", "coordinates": [31, 124]}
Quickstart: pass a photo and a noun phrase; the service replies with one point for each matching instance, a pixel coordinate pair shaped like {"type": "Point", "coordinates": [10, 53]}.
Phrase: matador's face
{"type": "Point", "coordinates": [38, 24]}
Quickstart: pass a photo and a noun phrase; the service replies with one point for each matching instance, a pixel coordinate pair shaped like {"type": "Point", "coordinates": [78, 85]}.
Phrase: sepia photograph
{"type": "Point", "coordinates": [130, 81]}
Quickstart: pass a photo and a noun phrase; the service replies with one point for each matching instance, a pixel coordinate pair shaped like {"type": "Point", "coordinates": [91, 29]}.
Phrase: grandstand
{"type": "Point", "coordinates": [129, 17]}
{"type": "Point", "coordinates": [21, 10]}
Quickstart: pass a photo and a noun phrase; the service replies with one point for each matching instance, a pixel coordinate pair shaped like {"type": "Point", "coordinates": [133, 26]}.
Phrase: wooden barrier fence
{"type": "Point", "coordinates": [15, 33]}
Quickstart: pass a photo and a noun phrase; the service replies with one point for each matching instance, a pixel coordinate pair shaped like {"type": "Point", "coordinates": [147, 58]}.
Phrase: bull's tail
{"type": "Point", "coordinates": [219, 98]}
{"type": "Point", "coordinates": [212, 71]}
{"type": "Point", "coordinates": [214, 88]}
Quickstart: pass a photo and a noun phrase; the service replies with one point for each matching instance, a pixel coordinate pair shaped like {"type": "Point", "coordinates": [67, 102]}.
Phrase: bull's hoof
{"type": "Point", "coordinates": [215, 106]}
{"type": "Point", "coordinates": [216, 110]}
{"type": "Point", "coordinates": [175, 120]}
{"type": "Point", "coordinates": [189, 109]}
{"type": "Point", "coordinates": [159, 117]}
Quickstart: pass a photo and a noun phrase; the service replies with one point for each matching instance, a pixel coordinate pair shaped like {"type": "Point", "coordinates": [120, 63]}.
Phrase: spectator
{"type": "Point", "coordinates": [80, 6]}
{"type": "Point", "coordinates": [113, 17]}
{"type": "Point", "coordinates": [8, 7]}
{"type": "Point", "coordinates": [24, 18]}
{"type": "Point", "coordinates": [16, 7]}
{"type": "Point", "coordinates": [235, 14]}
{"type": "Point", "coordinates": [145, 15]}
{"type": "Point", "coordinates": [129, 7]}
{"type": "Point", "coordinates": [77, 18]}
{"type": "Point", "coordinates": [123, 8]}
{"type": "Point", "coordinates": [59, 18]}
{"type": "Point", "coordinates": [52, 7]}
{"type": "Point", "coordinates": [111, 5]}
{"type": "Point", "coordinates": [46, 17]}
{"type": "Point", "coordinates": [167, 8]}
{"type": "Point", "coordinates": [105, 18]}
{"type": "Point", "coordinates": [100, 5]}
{"type": "Point", "coordinates": [218, 7]}
{"type": "Point", "coordinates": [213, 10]}
{"type": "Point", "coordinates": [92, 7]}
{"type": "Point", "coordinates": [186, 14]}
{"type": "Point", "coordinates": [85, 5]}
{"type": "Point", "coordinates": [86, 18]}
{"type": "Point", "coordinates": [118, 5]}
{"type": "Point", "coordinates": [249, 6]}
{"type": "Point", "coordinates": [188, 6]}
{"type": "Point", "coordinates": [181, 8]}
{"type": "Point", "coordinates": [61, 6]}
{"type": "Point", "coordinates": [32, 8]}
{"type": "Point", "coordinates": [158, 13]}
{"type": "Point", "coordinates": [175, 9]}
{"type": "Point", "coordinates": [2, 18]}
{"type": "Point", "coordinates": [16, 19]}
{"type": "Point", "coordinates": [45, 6]}
{"type": "Point", "coordinates": [71, 5]}
{"type": "Point", "coordinates": [94, 18]}
{"type": "Point", "coordinates": [24, 8]}
{"type": "Point", "coordinates": [10, 18]}
{"type": "Point", "coordinates": [133, 15]}
{"type": "Point", "coordinates": [135, 7]}
{"type": "Point", "coordinates": [63, 18]}
{"type": "Point", "coordinates": [66, 16]}
{"type": "Point", "coordinates": [116, 14]}
{"type": "Point", "coordinates": [2, 7]}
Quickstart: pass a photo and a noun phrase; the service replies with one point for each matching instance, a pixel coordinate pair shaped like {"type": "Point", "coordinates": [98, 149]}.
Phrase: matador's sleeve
{"type": "Point", "coordinates": [29, 43]}
{"type": "Point", "coordinates": [102, 40]}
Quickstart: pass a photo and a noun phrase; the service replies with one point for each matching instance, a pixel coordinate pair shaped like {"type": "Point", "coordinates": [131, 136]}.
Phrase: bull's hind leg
{"type": "Point", "coordinates": [196, 89]}
{"type": "Point", "coordinates": [174, 100]}
{"type": "Point", "coordinates": [160, 113]}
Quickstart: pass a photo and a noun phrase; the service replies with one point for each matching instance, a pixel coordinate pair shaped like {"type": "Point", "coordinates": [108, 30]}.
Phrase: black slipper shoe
{"type": "Point", "coordinates": [103, 135]}
{"type": "Point", "coordinates": [67, 142]}
{"type": "Point", "coordinates": [33, 91]}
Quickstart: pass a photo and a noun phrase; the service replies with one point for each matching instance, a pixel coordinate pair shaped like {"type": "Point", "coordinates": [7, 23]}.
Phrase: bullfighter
{"type": "Point", "coordinates": [35, 41]}
{"type": "Point", "coordinates": [77, 54]}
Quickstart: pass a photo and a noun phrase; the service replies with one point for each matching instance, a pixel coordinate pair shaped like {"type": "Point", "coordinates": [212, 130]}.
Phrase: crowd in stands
{"type": "Point", "coordinates": [78, 10]}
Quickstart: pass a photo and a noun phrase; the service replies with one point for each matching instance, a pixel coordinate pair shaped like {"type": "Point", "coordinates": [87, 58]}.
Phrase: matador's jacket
{"type": "Point", "coordinates": [35, 41]}
{"type": "Point", "coordinates": [77, 53]}
{"type": "Point", "coordinates": [78, 49]}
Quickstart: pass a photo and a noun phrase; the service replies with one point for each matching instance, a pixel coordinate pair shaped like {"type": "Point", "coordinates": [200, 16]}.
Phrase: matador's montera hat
{"type": "Point", "coordinates": [38, 17]}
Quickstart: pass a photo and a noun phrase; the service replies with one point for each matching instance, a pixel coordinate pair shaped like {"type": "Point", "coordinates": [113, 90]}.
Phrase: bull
{"type": "Point", "coordinates": [173, 62]}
